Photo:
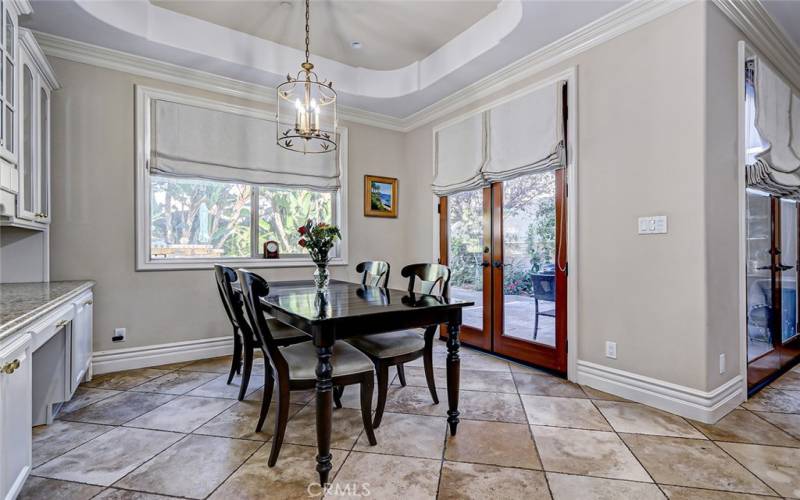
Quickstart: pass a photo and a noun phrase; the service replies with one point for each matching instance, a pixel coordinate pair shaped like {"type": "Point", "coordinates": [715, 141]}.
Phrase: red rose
{"type": "Point", "coordinates": [302, 243]}
{"type": "Point", "coordinates": [302, 230]}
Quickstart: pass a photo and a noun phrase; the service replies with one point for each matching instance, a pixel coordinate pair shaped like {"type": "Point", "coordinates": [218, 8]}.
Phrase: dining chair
{"type": "Point", "coordinates": [244, 342]}
{"type": "Point", "coordinates": [544, 288]}
{"type": "Point", "coordinates": [295, 365]}
{"type": "Point", "coordinates": [396, 348]}
{"type": "Point", "coordinates": [373, 272]}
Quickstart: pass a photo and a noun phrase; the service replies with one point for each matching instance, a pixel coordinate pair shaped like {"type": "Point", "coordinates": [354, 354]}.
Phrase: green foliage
{"type": "Point", "coordinates": [318, 239]}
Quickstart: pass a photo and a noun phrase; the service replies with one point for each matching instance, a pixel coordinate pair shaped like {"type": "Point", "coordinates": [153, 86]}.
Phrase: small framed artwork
{"type": "Point", "coordinates": [380, 196]}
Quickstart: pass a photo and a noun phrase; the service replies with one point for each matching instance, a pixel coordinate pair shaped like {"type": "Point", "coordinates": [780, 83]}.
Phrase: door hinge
{"type": "Point", "coordinates": [439, 208]}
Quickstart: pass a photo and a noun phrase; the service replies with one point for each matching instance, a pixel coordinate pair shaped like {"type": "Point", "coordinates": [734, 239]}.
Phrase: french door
{"type": "Point", "coordinates": [773, 342]}
{"type": "Point", "coordinates": [506, 248]}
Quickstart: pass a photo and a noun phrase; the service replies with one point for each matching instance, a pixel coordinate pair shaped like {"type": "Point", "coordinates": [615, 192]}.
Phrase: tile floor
{"type": "Point", "coordinates": [178, 431]}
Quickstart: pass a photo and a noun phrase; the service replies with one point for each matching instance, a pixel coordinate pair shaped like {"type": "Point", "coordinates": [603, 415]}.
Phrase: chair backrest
{"type": "Point", "coordinates": [544, 286]}
{"type": "Point", "coordinates": [225, 277]}
{"type": "Point", "coordinates": [254, 288]}
{"type": "Point", "coordinates": [373, 272]}
{"type": "Point", "coordinates": [430, 276]}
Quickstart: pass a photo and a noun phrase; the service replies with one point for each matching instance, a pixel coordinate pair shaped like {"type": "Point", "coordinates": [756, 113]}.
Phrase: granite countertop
{"type": "Point", "coordinates": [23, 303]}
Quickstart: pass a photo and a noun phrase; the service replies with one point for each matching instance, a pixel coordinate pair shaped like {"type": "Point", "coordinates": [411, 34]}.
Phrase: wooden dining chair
{"type": "Point", "coordinates": [295, 365]}
{"type": "Point", "coordinates": [373, 272]}
{"type": "Point", "coordinates": [396, 348]}
{"type": "Point", "coordinates": [244, 342]}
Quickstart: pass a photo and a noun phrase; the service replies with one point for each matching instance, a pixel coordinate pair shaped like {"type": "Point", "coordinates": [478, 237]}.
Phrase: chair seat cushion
{"type": "Point", "coordinates": [346, 360]}
{"type": "Point", "coordinates": [389, 345]}
{"type": "Point", "coordinates": [282, 331]}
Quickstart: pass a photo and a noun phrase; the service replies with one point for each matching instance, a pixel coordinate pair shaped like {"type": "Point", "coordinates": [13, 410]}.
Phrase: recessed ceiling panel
{"type": "Point", "coordinates": [392, 33]}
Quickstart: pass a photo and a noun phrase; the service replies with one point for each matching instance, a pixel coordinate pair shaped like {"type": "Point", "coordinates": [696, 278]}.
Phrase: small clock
{"type": "Point", "coordinates": [271, 250]}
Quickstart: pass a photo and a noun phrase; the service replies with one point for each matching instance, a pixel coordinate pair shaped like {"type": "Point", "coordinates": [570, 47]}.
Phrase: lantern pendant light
{"type": "Point", "coordinates": [306, 109]}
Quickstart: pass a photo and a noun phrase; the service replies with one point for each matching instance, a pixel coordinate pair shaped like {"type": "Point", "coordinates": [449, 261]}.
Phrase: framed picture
{"type": "Point", "coordinates": [380, 196]}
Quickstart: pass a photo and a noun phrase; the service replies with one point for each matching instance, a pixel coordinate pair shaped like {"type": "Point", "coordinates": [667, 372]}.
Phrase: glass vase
{"type": "Point", "coordinates": [322, 277]}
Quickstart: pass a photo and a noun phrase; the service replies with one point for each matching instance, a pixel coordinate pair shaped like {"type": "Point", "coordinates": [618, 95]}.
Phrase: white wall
{"type": "Point", "coordinates": [92, 233]}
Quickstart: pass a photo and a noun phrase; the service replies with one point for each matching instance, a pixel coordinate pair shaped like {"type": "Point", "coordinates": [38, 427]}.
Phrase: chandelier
{"type": "Point", "coordinates": [306, 109]}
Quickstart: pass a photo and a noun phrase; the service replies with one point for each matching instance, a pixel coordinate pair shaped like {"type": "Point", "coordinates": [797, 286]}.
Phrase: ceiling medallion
{"type": "Point", "coordinates": [307, 110]}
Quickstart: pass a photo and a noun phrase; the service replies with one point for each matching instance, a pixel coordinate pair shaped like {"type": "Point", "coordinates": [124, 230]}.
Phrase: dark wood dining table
{"type": "Point", "coordinates": [350, 310]}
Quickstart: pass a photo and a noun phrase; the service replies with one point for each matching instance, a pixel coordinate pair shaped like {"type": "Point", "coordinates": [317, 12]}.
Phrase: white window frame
{"type": "Point", "coordinates": [144, 262]}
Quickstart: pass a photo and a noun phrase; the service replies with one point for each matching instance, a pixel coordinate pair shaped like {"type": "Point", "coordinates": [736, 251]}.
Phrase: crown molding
{"type": "Point", "coordinates": [622, 20]}
{"type": "Point", "coordinates": [86, 53]}
{"type": "Point", "coordinates": [753, 19]}
{"type": "Point", "coordinates": [28, 41]}
{"type": "Point", "coordinates": [626, 18]}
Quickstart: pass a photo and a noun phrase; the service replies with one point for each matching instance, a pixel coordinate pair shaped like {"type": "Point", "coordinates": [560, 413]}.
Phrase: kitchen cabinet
{"type": "Point", "coordinates": [15, 415]}
{"type": "Point", "coordinates": [36, 82]}
{"type": "Point", "coordinates": [80, 342]}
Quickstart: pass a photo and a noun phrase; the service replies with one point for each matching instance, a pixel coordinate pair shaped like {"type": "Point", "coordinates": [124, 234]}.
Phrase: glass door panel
{"type": "Point", "coordinates": [529, 251]}
{"type": "Point", "coordinates": [759, 275]}
{"type": "Point", "coordinates": [788, 269]}
{"type": "Point", "coordinates": [467, 255]}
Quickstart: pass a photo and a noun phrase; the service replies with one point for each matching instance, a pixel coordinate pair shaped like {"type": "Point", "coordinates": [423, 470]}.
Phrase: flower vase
{"type": "Point", "coordinates": [321, 277]}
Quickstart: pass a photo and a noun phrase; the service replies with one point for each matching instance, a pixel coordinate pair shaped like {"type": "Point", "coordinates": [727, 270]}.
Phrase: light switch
{"type": "Point", "coordinates": [656, 224]}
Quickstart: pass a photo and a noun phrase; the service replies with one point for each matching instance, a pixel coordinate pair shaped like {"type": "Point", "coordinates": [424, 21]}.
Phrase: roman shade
{"type": "Point", "coordinates": [525, 135]}
{"type": "Point", "coordinates": [199, 142]}
{"type": "Point", "coordinates": [775, 167]}
{"type": "Point", "coordinates": [519, 137]}
{"type": "Point", "coordinates": [460, 156]}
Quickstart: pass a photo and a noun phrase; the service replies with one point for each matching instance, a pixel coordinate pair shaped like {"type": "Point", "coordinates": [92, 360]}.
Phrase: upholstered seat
{"type": "Point", "coordinates": [389, 345]}
{"type": "Point", "coordinates": [281, 331]}
{"type": "Point", "coordinates": [346, 360]}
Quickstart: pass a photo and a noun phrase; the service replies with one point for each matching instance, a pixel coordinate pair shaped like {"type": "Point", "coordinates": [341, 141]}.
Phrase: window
{"type": "Point", "coordinates": [192, 223]}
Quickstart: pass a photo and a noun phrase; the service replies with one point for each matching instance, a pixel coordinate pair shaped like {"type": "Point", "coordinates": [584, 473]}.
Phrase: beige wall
{"type": "Point", "coordinates": [92, 233]}
{"type": "Point", "coordinates": [641, 152]}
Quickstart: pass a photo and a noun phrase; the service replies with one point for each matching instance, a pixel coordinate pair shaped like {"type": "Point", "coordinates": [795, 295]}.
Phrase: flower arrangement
{"type": "Point", "coordinates": [318, 239]}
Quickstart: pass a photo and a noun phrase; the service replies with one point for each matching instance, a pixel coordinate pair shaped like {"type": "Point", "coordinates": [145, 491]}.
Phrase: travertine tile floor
{"type": "Point", "coordinates": [178, 431]}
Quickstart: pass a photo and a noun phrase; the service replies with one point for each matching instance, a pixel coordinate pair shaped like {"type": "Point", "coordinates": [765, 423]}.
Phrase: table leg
{"type": "Point", "coordinates": [453, 375]}
{"type": "Point", "coordinates": [324, 412]}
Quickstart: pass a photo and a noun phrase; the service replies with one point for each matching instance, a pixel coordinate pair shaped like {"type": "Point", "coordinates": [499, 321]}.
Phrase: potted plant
{"type": "Point", "coordinates": [318, 239]}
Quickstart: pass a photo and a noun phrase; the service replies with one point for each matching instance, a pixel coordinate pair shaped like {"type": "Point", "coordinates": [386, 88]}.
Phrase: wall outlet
{"type": "Point", "coordinates": [721, 364]}
{"type": "Point", "coordinates": [119, 335]}
{"type": "Point", "coordinates": [611, 349]}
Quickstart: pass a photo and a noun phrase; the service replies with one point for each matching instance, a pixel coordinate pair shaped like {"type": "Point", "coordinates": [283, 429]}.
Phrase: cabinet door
{"type": "Point", "coordinates": [28, 173]}
{"type": "Point", "coordinates": [43, 122]}
{"type": "Point", "coordinates": [15, 417]}
{"type": "Point", "coordinates": [81, 342]}
{"type": "Point", "coordinates": [8, 99]}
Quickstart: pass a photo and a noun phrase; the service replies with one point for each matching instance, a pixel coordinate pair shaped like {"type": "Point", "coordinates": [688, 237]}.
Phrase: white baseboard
{"type": "Point", "coordinates": [707, 407]}
{"type": "Point", "coordinates": [161, 354]}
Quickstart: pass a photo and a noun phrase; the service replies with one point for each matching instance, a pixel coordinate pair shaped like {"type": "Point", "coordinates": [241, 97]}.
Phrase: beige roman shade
{"type": "Point", "coordinates": [525, 135]}
{"type": "Point", "coordinates": [198, 142]}
{"type": "Point", "coordinates": [519, 137]}
{"type": "Point", "coordinates": [775, 166]}
{"type": "Point", "coordinates": [460, 156]}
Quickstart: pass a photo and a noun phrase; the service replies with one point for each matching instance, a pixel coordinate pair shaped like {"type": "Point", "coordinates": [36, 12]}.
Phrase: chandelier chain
{"type": "Point", "coordinates": [308, 36]}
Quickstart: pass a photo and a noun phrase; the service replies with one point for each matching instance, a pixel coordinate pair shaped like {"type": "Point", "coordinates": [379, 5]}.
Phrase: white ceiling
{"type": "Point", "coordinates": [393, 33]}
{"type": "Point", "coordinates": [438, 67]}
{"type": "Point", "coordinates": [786, 14]}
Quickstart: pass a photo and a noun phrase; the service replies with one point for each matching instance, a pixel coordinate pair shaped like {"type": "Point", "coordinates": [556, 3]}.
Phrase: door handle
{"type": "Point", "coordinates": [485, 264]}
{"type": "Point", "coordinates": [784, 267]}
{"type": "Point", "coordinates": [498, 264]}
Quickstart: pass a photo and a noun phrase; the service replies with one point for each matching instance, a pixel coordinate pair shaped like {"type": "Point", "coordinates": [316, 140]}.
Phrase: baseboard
{"type": "Point", "coordinates": [161, 354]}
{"type": "Point", "coordinates": [707, 407]}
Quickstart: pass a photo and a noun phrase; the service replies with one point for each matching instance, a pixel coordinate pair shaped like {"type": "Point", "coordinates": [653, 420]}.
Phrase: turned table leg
{"type": "Point", "coordinates": [453, 374]}
{"type": "Point", "coordinates": [324, 412]}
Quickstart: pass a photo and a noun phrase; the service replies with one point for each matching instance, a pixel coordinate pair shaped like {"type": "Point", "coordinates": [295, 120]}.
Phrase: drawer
{"type": "Point", "coordinates": [43, 330]}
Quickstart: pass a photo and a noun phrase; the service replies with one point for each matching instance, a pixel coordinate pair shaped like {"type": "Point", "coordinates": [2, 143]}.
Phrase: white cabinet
{"type": "Point", "coordinates": [81, 342]}
{"type": "Point", "coordinates": [8, 88]}
{"type": "Point", "coordinates": [36, 81]}
{"type": "Point", "coordinates": [15, 415]}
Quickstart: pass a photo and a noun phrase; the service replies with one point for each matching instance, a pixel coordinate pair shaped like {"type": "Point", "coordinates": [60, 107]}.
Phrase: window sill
{"type": "Point", "coordinates": [207, 264]}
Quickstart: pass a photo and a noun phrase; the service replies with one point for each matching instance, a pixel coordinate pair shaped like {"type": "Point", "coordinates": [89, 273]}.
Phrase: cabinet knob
{"type": "Point", "coordinates": [10, 367]}
{"type": "Point", "coordinates": [88, 302]}
{"type": "Point", "coordinates": [61, 323]}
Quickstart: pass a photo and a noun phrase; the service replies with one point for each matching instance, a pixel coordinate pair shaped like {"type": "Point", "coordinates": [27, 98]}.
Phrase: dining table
{"type": "Point", "coordinates": [348, 310]}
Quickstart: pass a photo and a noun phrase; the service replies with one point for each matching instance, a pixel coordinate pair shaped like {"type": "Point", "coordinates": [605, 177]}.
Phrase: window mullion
{"type": "Point", "coordinates": [254, 218]}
